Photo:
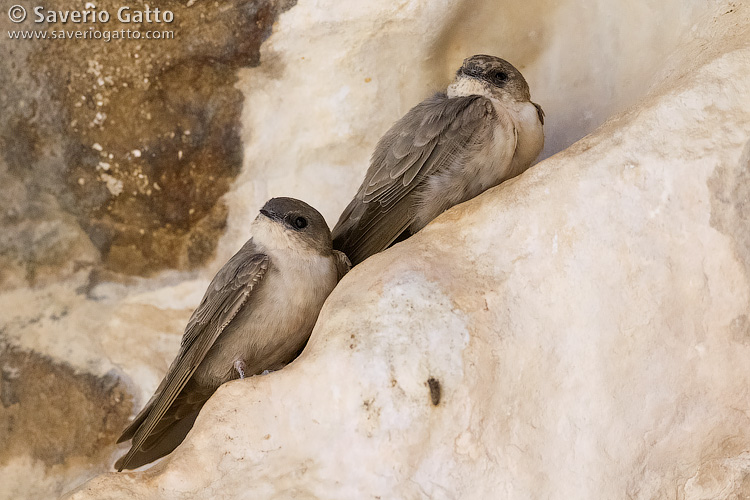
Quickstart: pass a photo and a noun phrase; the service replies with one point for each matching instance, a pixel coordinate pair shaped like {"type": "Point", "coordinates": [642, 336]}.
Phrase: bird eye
{"type": "Point", "coordinates": [500, 76]}
{"type": "Point", "coordinates": [300, 223]}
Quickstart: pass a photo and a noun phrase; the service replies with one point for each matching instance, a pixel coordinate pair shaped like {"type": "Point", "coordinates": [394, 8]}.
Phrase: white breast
{"type": "Point", "coordinates": [522, 117]}
{"type": "Point", "coordinates": [507, 150]}
{"type": "Point", "coordinates": [278, 317]}
{"type": "Point", "coordinates": [303, 280]}
{"type": "Point", "coordinates": [517, 140]}
{"type": "Point", "coordinates": [530, 134]}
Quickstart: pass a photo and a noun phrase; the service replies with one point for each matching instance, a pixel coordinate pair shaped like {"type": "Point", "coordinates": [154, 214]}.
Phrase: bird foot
{"type": "Point", "coordinates": [239, 365]}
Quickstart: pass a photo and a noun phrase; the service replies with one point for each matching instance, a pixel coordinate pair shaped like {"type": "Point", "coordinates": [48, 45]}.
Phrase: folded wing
{"type": "Point", "coordinates": [429, 138]}
{"type": "Point", "coordinates": [171, 410]}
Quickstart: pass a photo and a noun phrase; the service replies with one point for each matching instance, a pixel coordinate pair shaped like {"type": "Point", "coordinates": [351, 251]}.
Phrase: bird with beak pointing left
{"type": "Point", "coordinates": [256, 315]}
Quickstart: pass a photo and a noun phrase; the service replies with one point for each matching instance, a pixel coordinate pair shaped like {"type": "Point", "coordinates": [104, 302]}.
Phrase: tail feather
{"type": "Point", "coordinates": [158, 446]}
{"type": "Point", "coordinates": [169, 431]}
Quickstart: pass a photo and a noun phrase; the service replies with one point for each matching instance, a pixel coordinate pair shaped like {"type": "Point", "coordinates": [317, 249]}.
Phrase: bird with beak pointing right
{"type": "Point", "coordinates": [448, 149]}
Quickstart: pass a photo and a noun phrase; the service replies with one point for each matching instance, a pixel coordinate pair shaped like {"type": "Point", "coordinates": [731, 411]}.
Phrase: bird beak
{"type": "Point", "coordinates": [471, 72]}
{"type": "Point", "coordinates": [269, 214]}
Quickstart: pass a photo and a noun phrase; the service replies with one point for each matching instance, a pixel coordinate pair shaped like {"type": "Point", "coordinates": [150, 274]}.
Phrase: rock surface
{"type": "Point", "coordinates": [114, 157]}
{"type": "Point", "coordinates": [115, 154]}
{"type": "Point", "coordinates": [578, 332]}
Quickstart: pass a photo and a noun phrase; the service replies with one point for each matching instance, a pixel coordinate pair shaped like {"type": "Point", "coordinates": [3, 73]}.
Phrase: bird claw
{"type": "Point", "coordinates": [239, 365]}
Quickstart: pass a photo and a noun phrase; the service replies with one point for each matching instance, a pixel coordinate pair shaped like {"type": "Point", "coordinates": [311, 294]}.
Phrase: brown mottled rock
{"type": "Point", "coordinates": [116, 154]}
{"type": "Point", "coordinates": [585, 323]}
{"type": "Point", "coordinates": [53, 415]}
{"type": "Point", "coordinates": [597, 349]}
{"type": "Point", "coordinates": [114, 157]}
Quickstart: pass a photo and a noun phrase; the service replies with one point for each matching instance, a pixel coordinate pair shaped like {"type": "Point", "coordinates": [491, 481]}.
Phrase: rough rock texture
{"type": "Point", "coordinates": [579, 332]}
{"type": "Point", "coordinates": [38, 397]}
{"type": "Point", "coordinates": [114, 157]}
{"type": "Point", "coordinates": [333, 78]}
{"type": "Point", "coordinates": [115, 154]}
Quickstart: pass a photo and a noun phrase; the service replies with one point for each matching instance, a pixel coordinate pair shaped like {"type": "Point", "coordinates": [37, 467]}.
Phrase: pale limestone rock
{"type": "Point", "coordinates": [587, 323]}
{"type": "Point", "coordinates": [114, 156]}
{"type": "Point", "coordinates": [334, 77]}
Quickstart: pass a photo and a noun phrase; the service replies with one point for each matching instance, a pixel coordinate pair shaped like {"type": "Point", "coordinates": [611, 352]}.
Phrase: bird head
{"type": "Point", "coordinates": [291, 223]}
{"type": "Point", "coordinates": [490, 76]}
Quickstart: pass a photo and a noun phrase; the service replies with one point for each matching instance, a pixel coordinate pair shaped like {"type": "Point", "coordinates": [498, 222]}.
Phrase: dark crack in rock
{"type": "Point", "coordinates": [114, 155]}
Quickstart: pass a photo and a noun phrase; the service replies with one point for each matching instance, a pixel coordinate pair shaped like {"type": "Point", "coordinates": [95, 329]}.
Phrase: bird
{"type": "Point", "coordinates": [454, 145]}
{"type": "Point", "coordinates": [256, 316]}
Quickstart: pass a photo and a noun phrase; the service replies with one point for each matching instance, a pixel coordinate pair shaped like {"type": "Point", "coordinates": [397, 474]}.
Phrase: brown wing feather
{"type": "Point", "coordinates": [226, 295]}
{"type": "Point", "coordinates": [343, 265]}
{"type": "Point", "coordinates": [171, 429]}
{"type": "Point", "coordinates": [426, 140]}
{"type": "Point", "coordinates": [539, 112]}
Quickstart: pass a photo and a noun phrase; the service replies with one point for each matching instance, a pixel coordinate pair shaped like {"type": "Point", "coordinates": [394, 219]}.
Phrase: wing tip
{"type": "Point", "coordinates": [122, 462]}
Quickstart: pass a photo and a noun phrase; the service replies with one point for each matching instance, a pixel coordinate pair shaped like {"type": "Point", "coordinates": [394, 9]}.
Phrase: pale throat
{"type": "Point", "coordinates": [269, 234]}
{"type": "Point", "coordinates": [464, 86]}
{"type": "Point", "coordinates": [273, 236]}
